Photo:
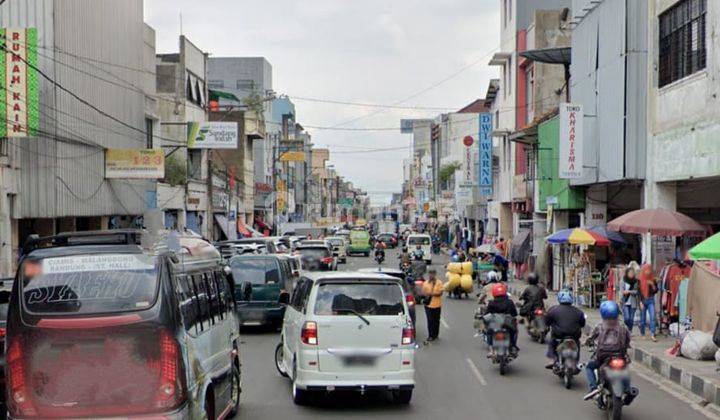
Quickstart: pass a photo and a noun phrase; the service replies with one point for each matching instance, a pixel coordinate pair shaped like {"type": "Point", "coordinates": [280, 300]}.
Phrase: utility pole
{"type": "Point", "coordinates": [210, 208]}
{"type": "Point", "coordinates": [274, 180]}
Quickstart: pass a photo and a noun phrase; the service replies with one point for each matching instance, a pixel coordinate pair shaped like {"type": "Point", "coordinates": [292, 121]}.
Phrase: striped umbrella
{"type": "Point", "coordinates": [578, 236]}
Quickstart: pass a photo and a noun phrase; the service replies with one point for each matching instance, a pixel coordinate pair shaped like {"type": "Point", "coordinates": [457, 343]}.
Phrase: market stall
{"type": "Point", "coordinates": [578, 266]}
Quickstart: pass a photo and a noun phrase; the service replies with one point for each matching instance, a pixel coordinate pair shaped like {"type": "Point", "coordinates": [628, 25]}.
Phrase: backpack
{"type": "Point", "coordinates": [611, 339]}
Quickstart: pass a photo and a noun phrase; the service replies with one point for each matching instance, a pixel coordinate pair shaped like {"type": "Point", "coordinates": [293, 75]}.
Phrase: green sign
{"type": "Point", "coordinates": [346, 202]}
{"type": "Point", "coordinates": [19, 82]}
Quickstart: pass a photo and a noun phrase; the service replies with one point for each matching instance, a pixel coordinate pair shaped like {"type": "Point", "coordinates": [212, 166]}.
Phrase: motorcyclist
{"type": "Point", "coordinates": [502, 304]}
{"type": "Point", "coordinates": [533, 297]}
{"type": "Point", "coordinates": [418, 254]}
{"type": "Point", "coordinates": [492, 278]}
{"type": "Point", "coordinates": [564, 321]}
{"type": "Point", "coordinates": [611, 338]}
{"type": "Point", "coordinates": [380, 250]}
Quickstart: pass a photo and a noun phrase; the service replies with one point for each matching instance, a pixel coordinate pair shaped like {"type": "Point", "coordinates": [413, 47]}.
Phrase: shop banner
{"type": "Point", "coordinates": [212, 135]}
{"type": "Point", "coordinates": [135, 163]}
{"type": "Point", "coordinates": [292, 157]}
{"type": "Point", "coordinates": [20, 82]}
{"type": "Point", "coordinates": [485, 161]}
{"type": "Point", "coordinates": [571, 141]}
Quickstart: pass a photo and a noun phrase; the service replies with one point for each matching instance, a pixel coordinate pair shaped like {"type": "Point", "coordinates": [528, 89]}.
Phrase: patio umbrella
{"type": "Point", "coordinates": [660, 222]}
{"type": "Point", "coordinates": [709, 249]}
{"type": "Point", "coordinates": [615, 237]}
{"type": "Point", "coordinates": [578, 237]}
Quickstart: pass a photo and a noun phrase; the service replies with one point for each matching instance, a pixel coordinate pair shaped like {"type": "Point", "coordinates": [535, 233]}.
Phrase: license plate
{"type": "Point", "coordinates": [359, 361]}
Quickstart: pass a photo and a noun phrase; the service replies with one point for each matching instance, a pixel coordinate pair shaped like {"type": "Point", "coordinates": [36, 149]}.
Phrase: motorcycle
{"type": "Point", "coordinates": [566, 365]}
{"type": "Point", "coordinates": [614, 385]}
{"type": "Point", "coordinates": [536, 327]}
{"type": "Point", "coordinates": [436, 247]}
{"type": "Point", "coordinates": [479, 322]}
{"type": "Point", "coordinates": [379, 257]}
{"type": "Point", "coordinates": [498, 328]}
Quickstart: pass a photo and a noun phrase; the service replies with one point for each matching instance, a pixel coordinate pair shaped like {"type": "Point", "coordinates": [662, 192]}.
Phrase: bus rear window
{"type": "Point", "coordinates": [89, 284]}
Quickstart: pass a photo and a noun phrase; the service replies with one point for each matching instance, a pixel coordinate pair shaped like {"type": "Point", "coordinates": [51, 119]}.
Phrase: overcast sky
{"type": "Point", "coordinates": [367, 51]}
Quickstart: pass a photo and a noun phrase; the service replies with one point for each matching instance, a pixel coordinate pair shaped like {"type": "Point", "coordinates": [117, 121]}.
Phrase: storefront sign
{"type": "Point", "coordinates": [135, 163]}
{"type": "Point", "coordinates": [263, 188]}
{"type": "Point", "coordinates": [485, 172]}
{"type": "Point", "coordinates": [212, 135]}
{"type": "Point", "coordinates": [571, 141]}
{"type": "Point", "coordinates": [292, 157]}
{"type": "Point", "coordinates": [468, 159]}
{"type": "Point", "coordinates": [21, 104]}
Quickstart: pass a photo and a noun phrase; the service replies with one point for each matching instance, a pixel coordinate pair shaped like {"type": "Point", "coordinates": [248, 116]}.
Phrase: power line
{"type": "Point", "coordinates": [370, 105]}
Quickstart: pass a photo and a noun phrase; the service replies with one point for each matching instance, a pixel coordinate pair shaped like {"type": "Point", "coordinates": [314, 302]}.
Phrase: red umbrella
{"type": "Point", "coordinates": [660, 222]}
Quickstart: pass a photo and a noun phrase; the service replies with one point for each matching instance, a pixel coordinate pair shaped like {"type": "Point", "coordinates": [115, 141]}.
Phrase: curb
{"type": "Point", "coordinates": [699, 386]}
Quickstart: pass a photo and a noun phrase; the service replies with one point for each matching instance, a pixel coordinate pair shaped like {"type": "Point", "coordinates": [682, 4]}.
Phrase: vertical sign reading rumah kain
{"type": "Point", "coordinates": [571, 141]}
{"type": "Point", "coordinates": [485, 172]}
{"type": "Point", "coordinates": [18, 58]}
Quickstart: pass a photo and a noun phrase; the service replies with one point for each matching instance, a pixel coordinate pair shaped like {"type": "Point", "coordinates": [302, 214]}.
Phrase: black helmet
{"type": "Point", "coordinates": [533, 278]}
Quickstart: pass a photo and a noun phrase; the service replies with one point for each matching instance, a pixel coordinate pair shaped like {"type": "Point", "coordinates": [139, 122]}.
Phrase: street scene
{"type": "Point", "coordinates": [496, 209]}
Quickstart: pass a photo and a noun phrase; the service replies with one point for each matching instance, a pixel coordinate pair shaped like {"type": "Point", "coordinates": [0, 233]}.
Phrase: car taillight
{"type": "Point", "coordinates": [408, 336]}
{"type": "Point", "coordinates": [309, 333]}
{"type": "Point", "coordinates": [3, 332]}
{"type": "Point", "coordinates": [327, 260]}
{"type": "Point", "coordinates": [538, 312]}
{"type": "Point", "coordinates": [617, 364]}
{"type": "Point", "coordinates": [500, 336]}
{"type": "Point", "coordinates": [410, 299]}
{"type": "Point", "coordinates": [170, 392]}
{"type": "Point", "coordinates": [20, 404]}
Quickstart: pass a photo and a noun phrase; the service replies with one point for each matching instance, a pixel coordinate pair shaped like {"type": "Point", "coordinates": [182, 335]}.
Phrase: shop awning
{"type": "Point", "coordinates": [216, 95]}
{"type": "Point", "coordinates": [557, 55]}
{"type": "Point", "coordinates": [222, 222]}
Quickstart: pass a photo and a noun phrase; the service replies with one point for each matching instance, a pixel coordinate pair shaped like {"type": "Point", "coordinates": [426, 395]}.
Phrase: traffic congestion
{"type": "Point", "coordinates": [337, 322]}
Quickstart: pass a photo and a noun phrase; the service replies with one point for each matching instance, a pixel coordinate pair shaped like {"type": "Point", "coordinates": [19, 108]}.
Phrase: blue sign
{"type": "Point", "coordinates": [485, 172]}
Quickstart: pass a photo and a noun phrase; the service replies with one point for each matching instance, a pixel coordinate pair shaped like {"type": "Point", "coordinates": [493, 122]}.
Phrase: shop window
{"type": "Point", "coordinates": [195, 164]}
{"type": "Point", "coordinates": [682, 41]}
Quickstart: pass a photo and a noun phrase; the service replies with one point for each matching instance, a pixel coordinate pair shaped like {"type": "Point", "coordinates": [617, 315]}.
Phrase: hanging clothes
{"type": "Point", "coordinates": [682, 299]}
{"type": "Point", "coordinates": [675, 274]}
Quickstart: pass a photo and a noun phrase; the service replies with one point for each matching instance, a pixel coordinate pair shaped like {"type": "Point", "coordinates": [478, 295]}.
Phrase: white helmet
{"type": "Point", "coordinates": [492, 277]}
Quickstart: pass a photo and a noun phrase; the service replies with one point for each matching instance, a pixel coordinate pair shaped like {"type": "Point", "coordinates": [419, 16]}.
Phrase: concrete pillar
{"type": "Point", "coordinates": [656, 195]}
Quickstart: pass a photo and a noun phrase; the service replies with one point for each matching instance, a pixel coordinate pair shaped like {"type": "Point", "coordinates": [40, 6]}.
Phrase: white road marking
{"type": "Point", "coordinates": [444, 324]}
{"type": "Point", "coordinates": [476, 372]}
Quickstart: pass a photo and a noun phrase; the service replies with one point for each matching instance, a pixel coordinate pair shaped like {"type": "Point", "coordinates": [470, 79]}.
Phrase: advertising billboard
{"type": "Point", "coordinates": [212, 135]}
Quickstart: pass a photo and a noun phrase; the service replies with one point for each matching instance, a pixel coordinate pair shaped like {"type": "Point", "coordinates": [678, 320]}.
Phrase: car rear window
{"type": "Point", "coordinates": [89, 284]}
{"type": "Point", "coordinates": [335, 241]}
{"type": "Point", "coordinates": [419, 240]}
{"type": "Point", "coordinates": [255, 270]}
{"type": "Point", "coordinates": [362, 298]}
{"type": "Point", "coordinates": [314, 252]}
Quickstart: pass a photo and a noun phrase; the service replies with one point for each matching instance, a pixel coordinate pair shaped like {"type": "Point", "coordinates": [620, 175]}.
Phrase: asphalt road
{"type": "Point", "coordinates": [454, 381]}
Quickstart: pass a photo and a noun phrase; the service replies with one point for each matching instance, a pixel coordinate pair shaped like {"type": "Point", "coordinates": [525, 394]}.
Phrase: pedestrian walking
{"type": "Point", "coordinates": [648, 289]}
{"type": "Point", "coordinates": [432, 292]}
{"type": "Point", "coordinates": [630, 297]}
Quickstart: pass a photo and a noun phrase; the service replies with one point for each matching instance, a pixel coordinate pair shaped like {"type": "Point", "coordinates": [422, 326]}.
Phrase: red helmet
{"type": "Point", "coordinates": [499, 290]}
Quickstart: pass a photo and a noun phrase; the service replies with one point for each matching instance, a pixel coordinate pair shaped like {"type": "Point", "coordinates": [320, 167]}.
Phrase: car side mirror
{"type": "Point", "coordinates": [284, 298]}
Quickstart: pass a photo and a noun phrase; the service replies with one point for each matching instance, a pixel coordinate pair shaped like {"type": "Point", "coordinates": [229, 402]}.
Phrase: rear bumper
{"type": "Point", "coordinates": [253, 315]}
{"type": "Point", "coordinates": [340, 381]}
{"type": "Point", "coordinates": [183, 413]}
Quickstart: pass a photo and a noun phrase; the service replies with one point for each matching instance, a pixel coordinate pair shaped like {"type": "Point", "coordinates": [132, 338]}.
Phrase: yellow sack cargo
{"type": "Point", "coordinates": [455, 268]}
{"type": "Point", "coordinates": [466, 267]}
{"type": "Point", "coordinates": [466, 282]}
{"type": "Point", "coordinates": [453, 281]}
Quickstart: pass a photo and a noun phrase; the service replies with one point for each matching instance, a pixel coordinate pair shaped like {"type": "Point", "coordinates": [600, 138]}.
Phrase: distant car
{"type": "Point", "coordinates": [260, 280]}
{"type": "Point", "coordinates": [407, 288]}
{"type": "Point", "coordinates": [424, 241]}
{"type": "Point", "coordinates": [389, 239]}
{"type": "Point", "coordinates": [316, 257]}
{"type": "Point", "coordinates": [308, 242]}
{"type": "Point", "coordinates": [268, 242]}
{"type": "Point", "coordinates": [229, 249]}
{"type": "Point", "coordinates": [347, 332]}
{"type": "Point", "coordinates": [359, 242]}
{"type": "Point", "coordinates": [339, 248]}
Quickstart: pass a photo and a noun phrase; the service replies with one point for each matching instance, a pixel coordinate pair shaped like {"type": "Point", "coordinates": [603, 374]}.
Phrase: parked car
{"type": "Point", "coordinates": [260, 280]}
{"type": "Point", "coordinates": [5, 292]}
{"type": "Point", "coordinates": [339, 248]}
{"type": "Point", "coordinates": [347, 332]}
{"type": "Point", "coordinates": [316, 257]}
{"type": "Point", "coordinates": [141, 331]}
{"type": "Point", "coordinates": [230, 249]}
{"type": "Point", "coordinates": [408, 288]}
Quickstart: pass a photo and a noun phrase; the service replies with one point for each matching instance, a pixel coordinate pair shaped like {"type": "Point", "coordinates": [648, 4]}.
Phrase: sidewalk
{"type": "Point", "coordinates": [699, 377]}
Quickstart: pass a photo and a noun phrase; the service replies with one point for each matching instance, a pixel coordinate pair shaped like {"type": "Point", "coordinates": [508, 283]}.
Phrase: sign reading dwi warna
{"type": "Point", "coordinates": [485, 172]}
{"type": "Point", "coordinates": [571, 141]}
{"type": "Point", "coordinates": [21, 105]}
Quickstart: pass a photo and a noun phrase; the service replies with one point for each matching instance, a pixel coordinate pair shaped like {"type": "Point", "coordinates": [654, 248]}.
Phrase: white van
{"type": "Point", "coordinates": [347, 331]}
{"type": "Point", "coordinates": [425, 243]}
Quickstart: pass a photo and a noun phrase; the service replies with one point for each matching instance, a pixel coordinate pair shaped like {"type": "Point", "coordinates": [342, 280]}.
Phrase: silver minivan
{"type": "Point", "coordinates": [347, 331]}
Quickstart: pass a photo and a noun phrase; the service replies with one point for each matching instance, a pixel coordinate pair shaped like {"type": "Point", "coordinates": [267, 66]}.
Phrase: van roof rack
{"type": "Point", "coordinates": [97, 237]}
